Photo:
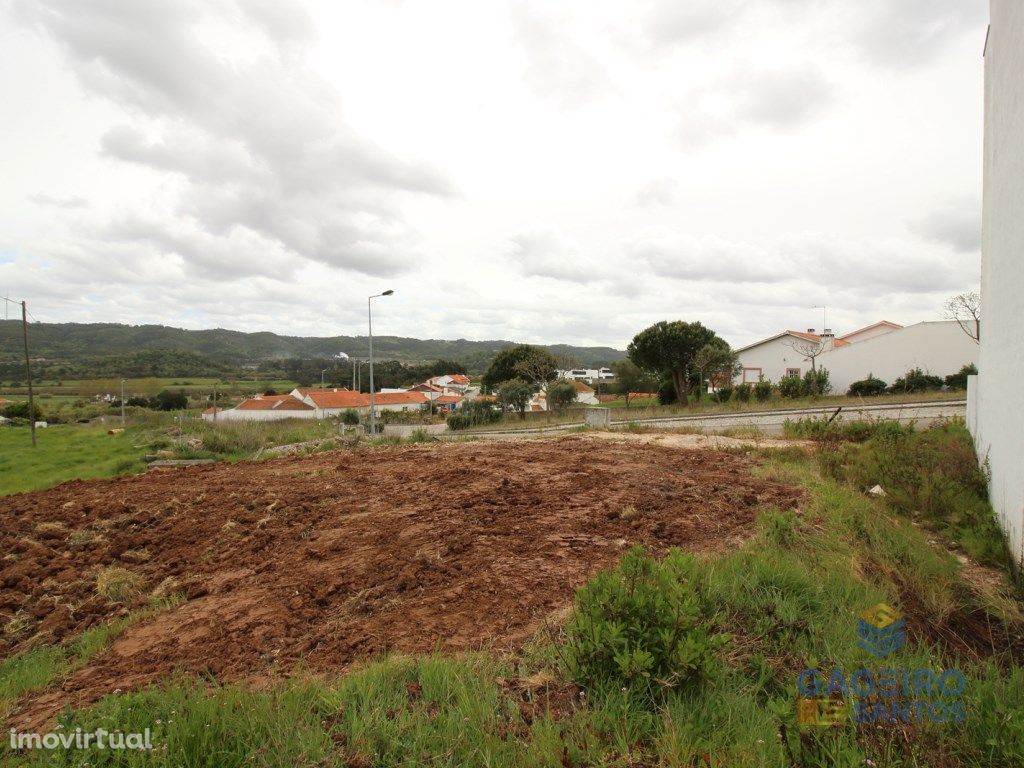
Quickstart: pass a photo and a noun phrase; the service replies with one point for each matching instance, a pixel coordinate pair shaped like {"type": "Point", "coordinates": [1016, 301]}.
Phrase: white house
{"type": "Point", "coordinates": [587, 374]}
{"type": "Point", "coordinates": [936, 347]}
{"type": "Point", "coordinates": [784, 354]}
{"type": "Point", "coordinates": [994, 399]}
{"type": "Point", "coordinates": [264, 408]}
{"type": "Point", "coordinates": [455, 382]}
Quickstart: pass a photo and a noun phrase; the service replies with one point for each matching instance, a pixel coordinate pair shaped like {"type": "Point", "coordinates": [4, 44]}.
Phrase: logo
{"type": "Point", "coordinates": [882, 696]}
{"type": "Point", "coordinates": [881, 630]}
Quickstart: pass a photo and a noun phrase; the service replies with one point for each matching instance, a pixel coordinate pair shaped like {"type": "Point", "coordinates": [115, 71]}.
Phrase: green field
{"type": "Point", "coordinates": [64, 452]}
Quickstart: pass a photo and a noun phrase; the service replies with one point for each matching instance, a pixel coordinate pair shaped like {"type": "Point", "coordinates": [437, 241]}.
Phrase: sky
{"type": "Point", "coordinates": [537, 171]}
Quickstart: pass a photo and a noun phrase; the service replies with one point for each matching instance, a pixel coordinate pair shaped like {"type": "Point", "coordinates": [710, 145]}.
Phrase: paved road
{"type": "Point", "coordinates": [770, 422]}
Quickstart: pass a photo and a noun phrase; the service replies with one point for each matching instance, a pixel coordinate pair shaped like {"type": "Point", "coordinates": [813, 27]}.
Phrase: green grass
{"type": "Point", "coordinates": [44, 665]}
{"type": "Point", "coordinates": [63, 452]}
{"type": "Point", "coordinates": [789, 598]}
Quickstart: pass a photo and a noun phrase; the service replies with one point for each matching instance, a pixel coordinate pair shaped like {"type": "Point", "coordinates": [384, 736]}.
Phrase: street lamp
{"type": "Point", "coordinates": [369, 317]}
{"type": "Point", "coordinates": [325, 370]}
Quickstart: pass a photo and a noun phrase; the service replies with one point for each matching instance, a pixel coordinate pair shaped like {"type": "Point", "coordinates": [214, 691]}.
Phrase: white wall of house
{"type": "Point", "coordinates": [939, 348]}
{"type": "Point", "coordinates": [870, 332]}
{"type": "Point", "coordinates": [771, 359]}
{"type": "Point", "coordinates": [232, 414]}
{"type": "Point", "coordinates": [999, 423]}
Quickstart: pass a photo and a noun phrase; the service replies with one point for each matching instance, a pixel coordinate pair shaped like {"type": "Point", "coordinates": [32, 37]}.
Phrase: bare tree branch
{"type": "Point", "coordinates": [965, 308]}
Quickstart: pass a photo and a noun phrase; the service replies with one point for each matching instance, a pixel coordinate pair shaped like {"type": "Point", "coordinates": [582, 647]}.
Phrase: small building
{"type": "Point", "coordinates": [784, 354]}
{"type": "Point", "coordinates": [585, 394]}
{"type": "Point", "coordinates": [266, 408]}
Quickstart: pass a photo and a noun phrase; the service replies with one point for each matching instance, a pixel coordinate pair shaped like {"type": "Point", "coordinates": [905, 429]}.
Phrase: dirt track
{"type": "Point", "coordinates": [327, 559]}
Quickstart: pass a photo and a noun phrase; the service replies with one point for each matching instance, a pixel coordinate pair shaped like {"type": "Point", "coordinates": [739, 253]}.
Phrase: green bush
{"type": "Point", "coordinates": [743, 392]}
{"type": "Point", "coordinates": [350, 416]}
{"type": "Point", "coordinates": [19, 410]}
{"type": "Point", "coordinates": [723, 394]}
{"type": "Point", "coordinates": [916, 380]}
{"type": "Point", "coordinates": [763, 390]}
{"type": "Point", "coordinates": [868, 387]}
{"type": "Point", "coordinates": [791, 386]}
{"type": "Point", "coordinates": [816, 382]}
{"type": "Point", "coordinates": [667, 392]}
{"type": "Point", "coordinates": [473, 413]}
{"type": "Point", "coordinates": [641, 627]}
{"type": "Point", "coordinates": [958, 380]}
{"type": "Point", "coordinates": [932, 475]}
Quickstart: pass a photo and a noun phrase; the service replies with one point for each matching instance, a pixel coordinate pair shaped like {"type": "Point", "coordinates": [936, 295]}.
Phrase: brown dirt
{"type": "Point", "coordinates": [323, 560]}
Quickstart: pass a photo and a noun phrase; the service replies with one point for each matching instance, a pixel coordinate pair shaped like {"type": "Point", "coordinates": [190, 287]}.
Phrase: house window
{"type": "Point", "coordinates": [751, 375]}
{"type": "Point", "coordinates": [792, 371]}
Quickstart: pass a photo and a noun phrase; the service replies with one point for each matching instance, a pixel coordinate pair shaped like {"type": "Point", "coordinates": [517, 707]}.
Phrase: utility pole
{"type": "Point", "coordinates": [28, 371]}
{"type": "Point", "coordinates": [369, 318]}
{"type": "Point", "coordinates": [214, 403]}
{"type": "Point", "coordinates": [122, 402]}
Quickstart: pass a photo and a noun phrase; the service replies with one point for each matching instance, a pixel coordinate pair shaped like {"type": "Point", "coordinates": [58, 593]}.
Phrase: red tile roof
{"type": "Point", "coordinates": [447, 399]}
{"type": "Point", "coordinates": [398, 398]}
{"type": "Point", "coordinates": [273, 403]}
{"type": "Point", "coordinates": [325, 398]}
{"type": "Point", "coordinates": [460, 378]}
{"type": "Point", "coordinates": [310, 390]}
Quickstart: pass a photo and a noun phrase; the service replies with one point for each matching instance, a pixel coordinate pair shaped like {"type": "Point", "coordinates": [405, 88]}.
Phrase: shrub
{"type": "Point", "coordinates": [666, 392]}
{"type": "Point", "coordinates": [868, 387]}
{"type": "Point", "coordinates": [350, 416]}
{"type": "Point", "coordinates": [473, 413]}
{"type": "Point", "coordinates": [791, 386]}
{"type": "Point", "coordinates": [640, 626]}
{"type": "Point", "coordinates": [935, 475]}
{"type": "Point", "coordinates": [743, 392]}
{"type": "Point", "coordinates": [763, 390]}
{"type": "Point", "coordinates": [816, 382]}
{"type": "Point", "coordinates": [723, 394]}
{"type": "Point", "coordinates": [19, 410]}
{"type": "Point", "coordinates": [916, 380]}
{"type": "Point", "coordinates": [958, 380]}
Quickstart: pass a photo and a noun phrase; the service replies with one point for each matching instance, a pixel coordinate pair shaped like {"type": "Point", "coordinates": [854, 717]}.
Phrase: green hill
{"type": "Point", "coordinates": [102, 347]}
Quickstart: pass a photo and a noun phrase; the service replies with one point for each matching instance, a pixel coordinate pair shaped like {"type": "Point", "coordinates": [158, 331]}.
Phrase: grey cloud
{"type": "Point", "coordinates": [684, 257]}
{"type": "Point", "coordinates": [542, 253]}
{"type": "Point", "coordinates": [672, 21]}
{"type": "Point", "coordinates": [59, 202]}
{"type": "Point", "coordinates": [756, 97]}
{"type": "Point", "coordinates": [558, 67]}
{"type": "Point", "coordinates": [660, 191]}
{"type": "Point", "coordinates": [958, 224]}
{"type": "Point", "coordinates": [262, 146]}
{"type": "Point", "coordinates": [901, 32]}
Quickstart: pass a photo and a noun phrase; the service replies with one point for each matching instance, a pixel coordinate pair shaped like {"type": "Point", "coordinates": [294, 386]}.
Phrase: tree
{"type": "Point", "coordinates": [630, 378]}
{"type": "Point", "coordinates": [669, 348]}
{"type": "Point", "coordinates": [716, 363]}
{"type": "Point", "coordinates": [810, 350]}
{"type": "Point", "coordinates": [965, 308]}
{"type": "Point", "coordinates": [531, 364]}
{"type": "Point", "coordinates": [561, 394]}
{"type": "Point", "coordinates": [959, 380]}
{"type": "Point", "coordinates": [514, 395]}
{"type": "Point", "coordinates": [170, 401]}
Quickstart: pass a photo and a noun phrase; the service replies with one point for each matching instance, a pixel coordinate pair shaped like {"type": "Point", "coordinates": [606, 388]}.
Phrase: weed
{"type": "Point", "coordinates": [118, 585]}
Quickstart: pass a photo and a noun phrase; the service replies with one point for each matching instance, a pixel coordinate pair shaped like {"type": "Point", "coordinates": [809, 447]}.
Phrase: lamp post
{"type": "Point", "coordinates": [325, 370]}
{"type": "Point", "coordinates": [369, 318]}
{"type": "Point", "coordinates": [122, 402]}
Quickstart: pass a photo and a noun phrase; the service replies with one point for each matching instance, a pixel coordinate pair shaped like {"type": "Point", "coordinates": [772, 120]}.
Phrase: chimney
{"type": "Point", "coordinates": [810, 330]}
{"type": "Point", "coordinates": [828, 339]}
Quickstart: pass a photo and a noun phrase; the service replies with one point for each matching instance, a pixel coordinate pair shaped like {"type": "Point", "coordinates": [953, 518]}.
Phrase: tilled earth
{"type": "Point", "coordinates": [323, 560]}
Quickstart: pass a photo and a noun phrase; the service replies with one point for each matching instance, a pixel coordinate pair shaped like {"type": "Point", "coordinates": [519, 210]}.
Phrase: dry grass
{"type": "Point", "coordinates": [118, 585]}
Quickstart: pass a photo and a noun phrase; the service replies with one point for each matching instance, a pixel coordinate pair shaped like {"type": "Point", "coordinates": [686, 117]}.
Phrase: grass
{"type": "Point", "coordinates": [63, 452]}
{"type": "Point", "coordinates": [789, 598]}
{"type": "Point", "coordinates": [44, 665]}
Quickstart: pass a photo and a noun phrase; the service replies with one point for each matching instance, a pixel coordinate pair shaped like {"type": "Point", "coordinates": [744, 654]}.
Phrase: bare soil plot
{"type": "Point", "coordinates": [319, 561]}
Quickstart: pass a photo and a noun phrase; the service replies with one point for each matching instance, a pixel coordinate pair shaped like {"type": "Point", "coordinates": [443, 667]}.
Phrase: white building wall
{"type": "Point", "coordinates": [870, 333]}
{"type": "Point", "coordinates": [232, 414]}
{"type": "Point", "coordinates": [939, 348]}
{"type": "Point", "coordinates": [999, 430]}
{"type": "Point", "coordinates": [773, 358]}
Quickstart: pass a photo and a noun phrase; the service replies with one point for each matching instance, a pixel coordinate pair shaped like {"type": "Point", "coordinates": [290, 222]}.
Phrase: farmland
{"type": "Point", "coordinates": [358, 606]}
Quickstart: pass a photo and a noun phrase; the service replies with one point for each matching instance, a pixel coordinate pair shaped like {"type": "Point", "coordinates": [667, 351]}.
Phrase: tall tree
{"type": "Point", "coordinates": [531, 364]}
{"type": "Point", "coordinates": [716, 363]}
{"type": "Point", "coordinates": [669, 348]}
{"type": "Point", "coordinates": [561, 394]}
{"type": "Point", "coordinates": [514, 395]}
{"type": "Point", "coordinates": [630, 378]}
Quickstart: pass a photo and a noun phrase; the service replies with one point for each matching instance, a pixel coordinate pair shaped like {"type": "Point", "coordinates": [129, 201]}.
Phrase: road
{"type": "Point", "coordinates": [770, 422]}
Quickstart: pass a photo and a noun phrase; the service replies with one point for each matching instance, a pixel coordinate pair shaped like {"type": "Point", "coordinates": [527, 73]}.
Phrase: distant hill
{"type": "Point", "coordinates": [97, 343]}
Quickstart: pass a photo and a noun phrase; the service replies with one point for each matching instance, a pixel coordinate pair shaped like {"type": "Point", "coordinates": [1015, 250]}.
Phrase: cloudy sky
{"type": "Point", "coordinates": [540, 171]}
